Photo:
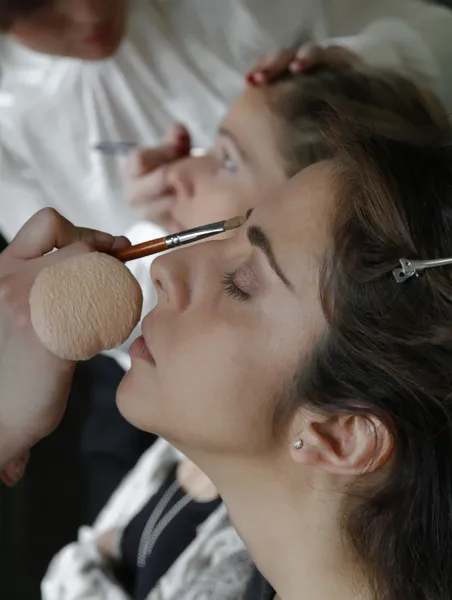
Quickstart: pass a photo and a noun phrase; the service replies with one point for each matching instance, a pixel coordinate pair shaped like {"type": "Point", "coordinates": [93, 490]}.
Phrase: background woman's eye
{"type": "Point", "coordinates": [232, 289]}
{"type": "Point", "coordinates": [228, 162]}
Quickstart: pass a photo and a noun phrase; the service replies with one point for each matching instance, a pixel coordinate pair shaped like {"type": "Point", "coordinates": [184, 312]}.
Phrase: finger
{"type": "Point", "coordinates": [271, 59]}
{"type": "Point", "coordinates": [271, 67]}
{"type": "Point", "coordinates": [179, 136]}
{"type": "Point", "coordinates": [148, 188]}
{"type": "Point", "coordinates": [308, 56]}
{"type": "Point", "coordinates": [143, 161]}
{"type": "Point", "coordinates": [15, 470]}
{"type": "Point", "coordinates": [341, 56]}
{"type": "Point", "coordinates": [47, 229]}
{"type": "Point", "coordinates": [121, 242]}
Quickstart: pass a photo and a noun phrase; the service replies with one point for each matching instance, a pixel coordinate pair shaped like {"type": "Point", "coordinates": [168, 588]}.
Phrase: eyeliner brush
{"type": "Point", "coordinates": [177, 239]}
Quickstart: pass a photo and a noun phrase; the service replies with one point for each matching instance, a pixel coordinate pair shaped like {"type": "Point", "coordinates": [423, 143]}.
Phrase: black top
{"type": "Point", "coordinates": [174, 538]}
{"type": "Point", "coordinates": [258, 588]}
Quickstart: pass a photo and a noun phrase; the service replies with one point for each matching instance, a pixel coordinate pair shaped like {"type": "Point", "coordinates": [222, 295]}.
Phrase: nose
{"type": "Point", "coordinates": [188, 276]}
{"type": "Point", "coordinates": [170, 276]}
{"type": "Point", "coordinates": [184, 176]}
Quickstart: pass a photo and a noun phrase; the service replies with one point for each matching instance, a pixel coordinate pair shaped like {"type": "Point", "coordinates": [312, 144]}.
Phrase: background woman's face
{"type": "Point", "coordinates": [236, 174]}
{"type": "Point", "coordinates": [234, 320]}
{"type": "Point", "coordinates": [85, 29]}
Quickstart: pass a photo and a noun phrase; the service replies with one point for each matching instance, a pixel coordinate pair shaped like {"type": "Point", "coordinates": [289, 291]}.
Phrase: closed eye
{"type": "Point", "coordinates": [232, 289]}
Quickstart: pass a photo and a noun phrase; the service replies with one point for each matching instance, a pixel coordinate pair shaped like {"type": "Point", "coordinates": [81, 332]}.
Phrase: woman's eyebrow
{"type": "Point", "coordinates": [225, 132]}
{"type": "Point", "coordinates": [258, 238]}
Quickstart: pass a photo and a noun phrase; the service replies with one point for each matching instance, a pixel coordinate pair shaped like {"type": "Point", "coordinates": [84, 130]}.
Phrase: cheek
{"type": "Point", "coordinates": [222, 384]}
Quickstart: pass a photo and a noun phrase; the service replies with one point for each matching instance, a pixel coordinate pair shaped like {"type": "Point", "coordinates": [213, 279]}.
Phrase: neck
{"type": "Point", "coordinates": [290, 528]}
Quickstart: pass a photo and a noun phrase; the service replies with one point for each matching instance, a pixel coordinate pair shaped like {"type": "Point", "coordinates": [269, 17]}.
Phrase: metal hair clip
{"type": "Point", "coordinates": [408, 268]}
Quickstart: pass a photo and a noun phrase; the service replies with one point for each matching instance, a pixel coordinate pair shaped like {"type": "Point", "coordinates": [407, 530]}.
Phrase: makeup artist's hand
{"type": "Point", "coordinates": [145, 177]}
{"type": "Point", "coordinates": [34, 384]}
{"type": "Point", "coordinates": [305, 58]}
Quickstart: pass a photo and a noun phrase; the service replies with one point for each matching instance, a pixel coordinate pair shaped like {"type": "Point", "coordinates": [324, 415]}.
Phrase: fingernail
{"type": "Point", "coordinates": [261, 76]}
{"type": "Point", "coordinates": [121, 242]}
{"type": "Point", "coordinates": [183, 147]}
{"type": "Point", "coordinates": [250, 80]}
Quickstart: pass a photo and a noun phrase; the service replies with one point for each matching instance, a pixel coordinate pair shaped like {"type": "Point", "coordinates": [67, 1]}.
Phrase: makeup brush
{"type": "Point", "coordinates": [177, 239]}
{"type": "Point", "coordinates": [125, 148]}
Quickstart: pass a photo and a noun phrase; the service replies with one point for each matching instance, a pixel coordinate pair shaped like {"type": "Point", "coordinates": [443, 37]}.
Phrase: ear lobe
{"type": "Point", "coordinates": [345, 444]}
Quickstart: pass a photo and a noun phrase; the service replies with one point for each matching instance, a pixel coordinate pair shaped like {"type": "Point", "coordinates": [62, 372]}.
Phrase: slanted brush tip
{"type": "Point", "coordinates": [234, 223]}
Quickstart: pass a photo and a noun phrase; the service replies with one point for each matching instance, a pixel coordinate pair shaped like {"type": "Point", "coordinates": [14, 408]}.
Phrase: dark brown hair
{"type": "Point", "coordinates": [375, 97]}
{"type": "Point", "coordinates": [12, 10]}
{"type": "Point", "coordinates": [388, 347]}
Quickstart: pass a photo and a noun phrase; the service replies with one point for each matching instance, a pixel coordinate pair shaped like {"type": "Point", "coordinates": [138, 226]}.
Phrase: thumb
{"type": "Point", "coordinates": [179, 135]}
{"type": "Point", "coordinates": [47, 229]}
{"type": "Point", "coordinates": [14, 471]}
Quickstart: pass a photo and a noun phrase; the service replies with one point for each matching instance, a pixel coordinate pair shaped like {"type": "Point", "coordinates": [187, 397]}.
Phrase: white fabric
{"type": "Point", "coordinates": [215, 566]}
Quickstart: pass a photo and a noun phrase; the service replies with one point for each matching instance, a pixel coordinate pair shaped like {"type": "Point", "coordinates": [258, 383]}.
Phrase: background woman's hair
{"type": "Point", "coordinates": [388, 348]}
{"type": "Point", "coordinates": [379, 98]}
{"type": "Point", "coordinates": [12, 10]}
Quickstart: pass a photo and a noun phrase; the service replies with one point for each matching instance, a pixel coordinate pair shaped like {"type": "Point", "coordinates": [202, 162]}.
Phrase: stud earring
{"type": "Point", "coordinates": [298, 444]}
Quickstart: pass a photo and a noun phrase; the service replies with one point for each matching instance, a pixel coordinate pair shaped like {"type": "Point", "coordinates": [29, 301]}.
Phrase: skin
{"type": "Point", "coordinates": [31, 407]}
{"type": "Point", "coordinates": [214, 368]}
{"type": "Point", "coordinates": [234, 175]}
{"type": "Point", "coordinates": [83, 29]}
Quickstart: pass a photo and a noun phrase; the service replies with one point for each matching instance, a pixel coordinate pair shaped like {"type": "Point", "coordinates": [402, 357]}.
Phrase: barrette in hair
{"type": "Point", "coordinates": [408, 268]}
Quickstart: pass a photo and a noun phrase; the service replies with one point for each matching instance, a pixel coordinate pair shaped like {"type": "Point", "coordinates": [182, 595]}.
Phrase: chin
{"type": "Point", "coordinates": [134, 398]}
{"type": "Point", "coordinates": [98, 52]}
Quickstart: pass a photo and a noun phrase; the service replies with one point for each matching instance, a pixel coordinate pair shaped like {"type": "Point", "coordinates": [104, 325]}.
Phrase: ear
{"type": "Point", "coordinates": [343, 444]}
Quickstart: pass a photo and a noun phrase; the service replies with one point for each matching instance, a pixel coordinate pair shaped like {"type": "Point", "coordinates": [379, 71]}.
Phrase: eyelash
{"type": "Point", "coordinates": [232, 289]}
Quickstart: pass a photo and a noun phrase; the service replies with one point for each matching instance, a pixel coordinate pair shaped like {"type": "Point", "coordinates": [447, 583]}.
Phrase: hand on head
{"type": "Point", "coordinates": [34, 383]}
{"type": "Point", "coordinates": [304, 59]}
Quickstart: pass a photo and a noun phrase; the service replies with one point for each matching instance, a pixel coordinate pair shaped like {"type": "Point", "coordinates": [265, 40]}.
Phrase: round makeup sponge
{"type": "Point", "coordinates": [84, 305]}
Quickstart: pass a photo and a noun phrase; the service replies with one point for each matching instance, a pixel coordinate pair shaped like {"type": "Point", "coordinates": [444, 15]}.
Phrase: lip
{"type": "Point", "coordinates": [140, 351]}
{"type": "Point", "coordinates": [100, 35]}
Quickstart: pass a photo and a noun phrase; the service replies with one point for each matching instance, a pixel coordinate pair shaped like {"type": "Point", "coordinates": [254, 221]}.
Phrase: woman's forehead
{"type": "Point", "coordinates": [296, 223]}
{"type": "Point", "coordinates": [302, 207]}
{"type": "Point", "coordinates": [253, 123]}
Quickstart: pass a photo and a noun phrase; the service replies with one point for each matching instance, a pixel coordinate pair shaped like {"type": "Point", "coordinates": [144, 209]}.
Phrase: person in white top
{"type": "Point", "coordinates": [178, 61]}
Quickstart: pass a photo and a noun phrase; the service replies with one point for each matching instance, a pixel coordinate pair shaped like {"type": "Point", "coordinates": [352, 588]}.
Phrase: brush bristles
{"type": "Point", "coordinates": [234, 223]}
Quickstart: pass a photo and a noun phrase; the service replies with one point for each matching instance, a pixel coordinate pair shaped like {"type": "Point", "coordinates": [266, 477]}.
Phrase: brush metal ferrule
{"type": "Point", "coordinates": [193, 235]}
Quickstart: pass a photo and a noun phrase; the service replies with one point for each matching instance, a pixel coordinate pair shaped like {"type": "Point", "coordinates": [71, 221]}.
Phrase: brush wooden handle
{"type": "Point", "coordinates": [141, 250]}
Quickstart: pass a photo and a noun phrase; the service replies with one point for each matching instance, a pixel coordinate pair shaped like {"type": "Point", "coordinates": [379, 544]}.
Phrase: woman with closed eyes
{"type": "Point", "coordinates": [229, 337]}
